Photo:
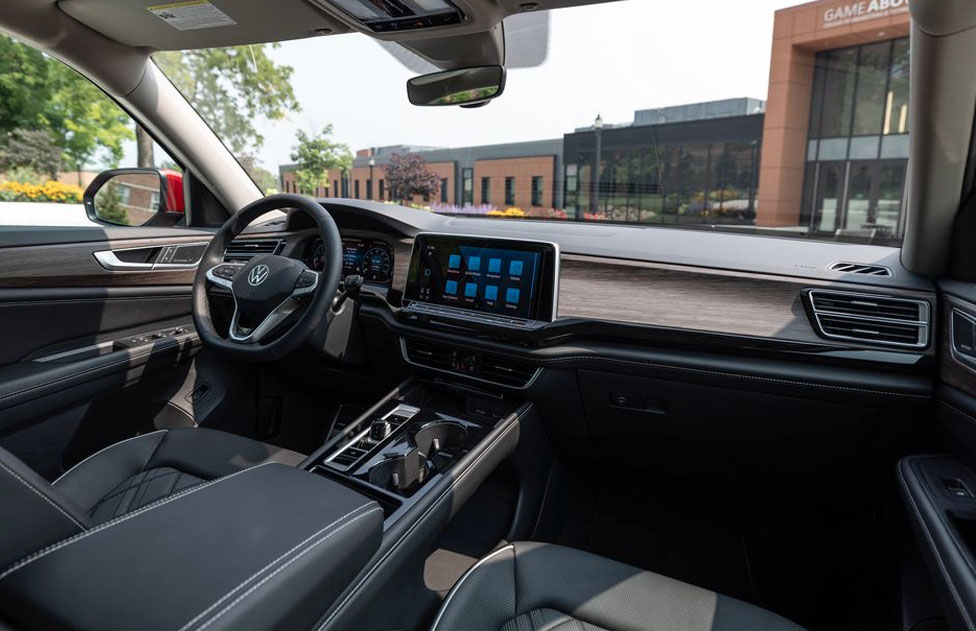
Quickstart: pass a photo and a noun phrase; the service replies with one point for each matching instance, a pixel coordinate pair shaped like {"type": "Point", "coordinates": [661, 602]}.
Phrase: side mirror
{"type": "Point", "coordinates": [467, 87]}
{"type": "Point", "coordinates": [135, 197]}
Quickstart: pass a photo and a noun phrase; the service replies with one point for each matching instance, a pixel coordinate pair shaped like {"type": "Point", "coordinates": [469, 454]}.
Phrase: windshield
{"type": "Point", "coordinates": [767, 117]}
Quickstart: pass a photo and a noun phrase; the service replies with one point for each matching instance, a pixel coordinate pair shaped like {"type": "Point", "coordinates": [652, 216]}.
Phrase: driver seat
{"type": "Point", "coordinates": [119, 480]}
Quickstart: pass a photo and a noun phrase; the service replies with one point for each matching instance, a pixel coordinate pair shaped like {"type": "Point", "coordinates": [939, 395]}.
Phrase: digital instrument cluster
{"type": "Point", "coordinates": [370, 258]}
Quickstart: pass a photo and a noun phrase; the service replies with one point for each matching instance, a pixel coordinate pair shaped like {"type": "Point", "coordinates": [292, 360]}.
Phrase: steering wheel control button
{"type": "Point", "coordinates": [227, 271]}
{"type": "Point", "coordinates": [307, 279]}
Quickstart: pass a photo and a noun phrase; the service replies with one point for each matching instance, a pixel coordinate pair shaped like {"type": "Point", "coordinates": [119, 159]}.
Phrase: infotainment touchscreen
{"type": "Point", "coordinates": [508, 278]}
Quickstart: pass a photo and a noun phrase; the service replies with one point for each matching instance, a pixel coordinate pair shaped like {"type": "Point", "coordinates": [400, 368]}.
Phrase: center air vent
{"type": "Point", "coordinates": [859, 268]}
{"type": "Point", "coordinates": [870, 318]}
{"type": "Point", "coordinates": [242, 250]}
{"type": "Point", "coordinates": [488, 367]}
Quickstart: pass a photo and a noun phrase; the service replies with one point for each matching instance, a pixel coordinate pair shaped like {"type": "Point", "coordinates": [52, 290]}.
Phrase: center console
{"type": "Point", "coordinates": [424, 432]}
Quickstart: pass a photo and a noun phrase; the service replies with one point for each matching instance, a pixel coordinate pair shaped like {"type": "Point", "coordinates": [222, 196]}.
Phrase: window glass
{"type": "Point", "coordinates": [58, 131]}
{"type": "Point", "coordinates": [788, 129]}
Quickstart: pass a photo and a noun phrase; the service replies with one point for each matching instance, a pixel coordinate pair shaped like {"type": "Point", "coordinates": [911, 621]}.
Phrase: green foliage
{"type": "Point", "coordinates": [316, 155]}
{"type": "Point", "coordinates": [38, 93]}
{"type": "Point", "coordinates": [32, 149]}
{"type": "Point", "coordinates": [108, 204]}
{"type": "Point", "coordinates": [231, 87]}
{"type": "Point", "coordinates": [265, 180]}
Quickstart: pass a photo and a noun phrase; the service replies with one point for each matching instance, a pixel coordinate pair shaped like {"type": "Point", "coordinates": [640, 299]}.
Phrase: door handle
{"type": "Point", "coordinates": [168, 257]}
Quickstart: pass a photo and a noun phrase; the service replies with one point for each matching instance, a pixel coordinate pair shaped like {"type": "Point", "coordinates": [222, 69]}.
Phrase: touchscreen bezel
{"type": "Point", "coordinates": [546, 307]}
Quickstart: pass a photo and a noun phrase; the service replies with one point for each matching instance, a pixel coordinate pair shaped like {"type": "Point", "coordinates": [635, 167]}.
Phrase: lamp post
{"type": "Point", "coordinates": [372, 163]}
{"type": "Point", "coordinates": [595, 195]}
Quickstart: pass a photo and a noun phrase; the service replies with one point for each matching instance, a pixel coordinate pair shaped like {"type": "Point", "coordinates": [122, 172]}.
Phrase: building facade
{"type": "Point", "coordinates": [835, 137]}
{"type": "Point", "coordinates": [827, 154]}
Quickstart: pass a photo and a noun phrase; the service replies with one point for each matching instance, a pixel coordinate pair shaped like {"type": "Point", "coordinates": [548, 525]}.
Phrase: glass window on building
{"type": "Point", "coordinates": [382, 190]}
{"type": "Point", "coordinates": [467, 187]}
{"type": "Point", "coordinates": [537, 190]}
{"type": "Point", "coordinates": [509, 191]}
{"type": "Point", "coordinates": [357, 189]}
{"type": "Point", "coordinates": [486, 190]}
{"type": "Point", "coordinates": [369, 188]}
{"type": "Point", "coordinates": [335, 188]}
{"type": "Point", "coordinates": [571, 188]}
{"type": "Point", "coordinates": [443, 190]}
{"type": "Point", "coordinates": [857, 150]}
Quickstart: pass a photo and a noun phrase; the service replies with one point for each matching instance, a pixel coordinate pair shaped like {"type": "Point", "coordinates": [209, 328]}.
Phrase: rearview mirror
{"type": "Point", "coordinates": [135, 197]}
{"type": "Point", "coordinates": [467, 87]}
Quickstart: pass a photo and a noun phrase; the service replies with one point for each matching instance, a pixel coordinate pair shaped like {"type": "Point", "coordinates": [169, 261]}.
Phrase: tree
{"type": "Point", "coordinates": [38, 93]}
{"type": "Point", "coordinates": [409, 175]}
{"type": "Point", "coordinates": [265, 179]}
{"type": "Point", "coordinates": [231, 88]}
{"type": "Point", "coordinates": [316, 155]}
{"type": "Point", "coordinates": [33, 149]}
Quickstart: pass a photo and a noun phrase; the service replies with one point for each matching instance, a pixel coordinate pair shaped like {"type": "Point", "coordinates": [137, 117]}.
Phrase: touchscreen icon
{"type": "Point", "coordinates": [454, 262]}
{"type": "Point", "coordinates": [474, 263]}
{"type": "Point", "coordinates": [491, 292]}
{"type": "Point", "coordinates": [494, 266]}
{"type": "Point", "coordinates": [515, 269]}
{"type": "Point", "coordinates": [470, 290]}
{"type": "Point", "coordinates": [451, 288]}
{"type": "Point", "coordinates": [512, 295]}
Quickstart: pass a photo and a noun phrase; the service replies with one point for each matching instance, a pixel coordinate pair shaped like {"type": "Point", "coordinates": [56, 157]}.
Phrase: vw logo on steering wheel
{"type": "Point", "coordinates": [258, 275]}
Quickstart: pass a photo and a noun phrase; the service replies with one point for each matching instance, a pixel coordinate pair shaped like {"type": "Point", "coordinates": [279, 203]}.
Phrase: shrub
{"type": "Point", "coordinates": [509, 213]}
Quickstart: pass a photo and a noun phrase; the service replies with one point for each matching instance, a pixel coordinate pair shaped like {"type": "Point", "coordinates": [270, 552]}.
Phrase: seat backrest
{"type": "Point", "coordinates": [34, 514]}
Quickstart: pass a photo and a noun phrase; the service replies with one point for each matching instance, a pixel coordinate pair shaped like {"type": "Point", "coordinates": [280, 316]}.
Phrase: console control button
{"type": "Point", "coordinates": [227, 271]}
{"type": "Point", "coordinates": [379, 430]}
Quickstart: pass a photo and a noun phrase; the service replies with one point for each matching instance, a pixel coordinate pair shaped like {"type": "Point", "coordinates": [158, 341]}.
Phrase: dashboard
{"type": "Point", "coordinates": [370, 258]}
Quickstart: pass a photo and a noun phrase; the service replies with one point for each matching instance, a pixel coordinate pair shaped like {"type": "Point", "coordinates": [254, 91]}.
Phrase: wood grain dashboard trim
{"type": "Point", "coordinates": [698, 299]}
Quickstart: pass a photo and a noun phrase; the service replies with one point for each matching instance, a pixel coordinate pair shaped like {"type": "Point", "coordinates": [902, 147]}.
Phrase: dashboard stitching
{"type": "Point", "coordinates": [790, 382]}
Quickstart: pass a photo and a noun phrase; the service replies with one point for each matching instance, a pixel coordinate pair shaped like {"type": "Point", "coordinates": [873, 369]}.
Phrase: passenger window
{"type": "Point", "coordinates": [58, 134]}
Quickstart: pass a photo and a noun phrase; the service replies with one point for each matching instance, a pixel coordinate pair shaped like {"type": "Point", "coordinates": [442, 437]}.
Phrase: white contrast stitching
{"type": "Point", "coordinates": [268, 566]}
{"type": "Point", "coordinates": [417, 523]}
{"type": "Point", "coordinates": [118, 520]}
{"type": "Point", "coordinates": [470, 572]}
{"type": "Point", "coordinates": [285, 565]}
{"type": "Point", "coordinates": [104, 449]}
{"type": "Point", "coordinates": [733, 375]}
{"type": "Point", "coordinates": [935, 551]}
{"type": "Point", "coordinates": [37, 492]}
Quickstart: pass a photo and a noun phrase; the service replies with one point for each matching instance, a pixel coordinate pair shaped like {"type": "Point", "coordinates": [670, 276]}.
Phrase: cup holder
{"type": "Point", "coordinates": [406, 472]}
{"type": "Point", "coordinates": [437, 437]}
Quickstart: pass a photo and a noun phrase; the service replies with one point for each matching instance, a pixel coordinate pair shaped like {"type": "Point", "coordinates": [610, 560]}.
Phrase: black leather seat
{"type": "Point", "coordinates": [541, 587]}
{"type": "Point", "coordinates": [118, 480]}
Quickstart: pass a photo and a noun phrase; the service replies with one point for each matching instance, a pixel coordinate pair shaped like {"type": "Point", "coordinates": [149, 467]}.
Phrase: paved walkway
{"type": "Point", "coordinates": [42, 214]}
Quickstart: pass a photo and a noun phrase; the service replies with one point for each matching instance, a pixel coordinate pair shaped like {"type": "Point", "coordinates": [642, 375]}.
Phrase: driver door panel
{"type": "Point", "coordinates": [92, 352]}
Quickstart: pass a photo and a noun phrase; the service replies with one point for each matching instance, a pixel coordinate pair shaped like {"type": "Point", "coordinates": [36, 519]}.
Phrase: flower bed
{"type": "Point", "coordinates": [50, 191]}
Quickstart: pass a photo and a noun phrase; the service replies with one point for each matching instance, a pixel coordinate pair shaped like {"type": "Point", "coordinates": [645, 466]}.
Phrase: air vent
{"type": "Point", "coordinates": [870, 318]}
{"type": "Point", "coordinates": [859, 268]}
{"type": "Point", "coordinates": [487, 367]}
{"type": "Point", "coordinates": [428, 354]}
{"type": "Point", "coordinates": [505, 371]}
{"type": "Point", "coordinates": [242, 250]}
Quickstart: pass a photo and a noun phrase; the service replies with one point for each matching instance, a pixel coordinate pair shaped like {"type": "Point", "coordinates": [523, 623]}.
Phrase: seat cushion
{"type": "Point", "coordinates": [541, 587]}
{"type": "Point", "coordinates": [134, 473]}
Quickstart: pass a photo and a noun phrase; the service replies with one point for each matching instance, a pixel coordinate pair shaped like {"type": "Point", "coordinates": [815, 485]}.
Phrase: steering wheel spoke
{"type": "Point", "coordinates": [254, 335]}
{"type": "Point", "coordinates": [278, 302]}
{"type": "Point", "coordinates": [223, 275]}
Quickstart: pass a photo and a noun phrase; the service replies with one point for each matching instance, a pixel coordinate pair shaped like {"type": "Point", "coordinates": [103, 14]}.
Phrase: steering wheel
{"type": "Point", "coordinates": [268, 290]}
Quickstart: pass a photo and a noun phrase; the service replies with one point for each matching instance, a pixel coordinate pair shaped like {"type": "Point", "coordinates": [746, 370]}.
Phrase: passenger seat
{"type": "Point", "coordinates": [542, 587]}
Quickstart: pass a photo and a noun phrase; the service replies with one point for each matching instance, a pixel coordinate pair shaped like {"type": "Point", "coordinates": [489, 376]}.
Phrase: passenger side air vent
{"type": "Point", "coordinates": [859, 268]}
{"type": "Point", "coordinates": [870, 318]}
{"type": "Point", "coordinates": [244, 249]}
{"type": "Point", "coordinates": [495, 369]}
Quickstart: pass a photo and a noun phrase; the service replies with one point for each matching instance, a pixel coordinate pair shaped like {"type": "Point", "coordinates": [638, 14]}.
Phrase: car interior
{"type": "Point", "coordinates": [279, 411]}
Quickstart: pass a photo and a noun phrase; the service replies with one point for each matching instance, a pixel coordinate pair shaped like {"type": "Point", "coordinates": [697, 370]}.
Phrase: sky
{"type": "Point", "coordinates": [610, 59]}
